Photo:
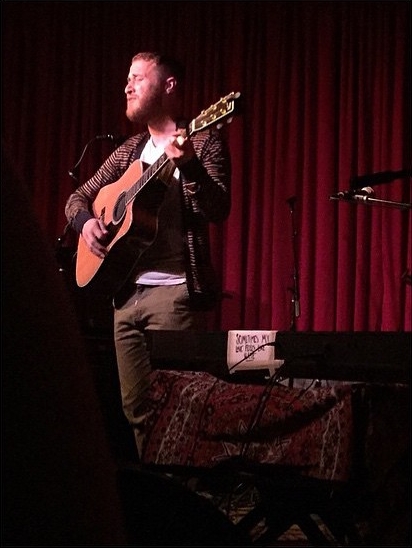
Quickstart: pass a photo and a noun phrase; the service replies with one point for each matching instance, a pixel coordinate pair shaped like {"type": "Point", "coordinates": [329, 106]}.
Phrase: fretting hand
{"type": "Point", "coordinates": [180, 148]}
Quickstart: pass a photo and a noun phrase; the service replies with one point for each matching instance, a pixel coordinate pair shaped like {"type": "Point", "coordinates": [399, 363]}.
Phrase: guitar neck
{"type": "Point", "coordinates": [214, 115]}
{"type": "Point", "coordinates": [151, 172]}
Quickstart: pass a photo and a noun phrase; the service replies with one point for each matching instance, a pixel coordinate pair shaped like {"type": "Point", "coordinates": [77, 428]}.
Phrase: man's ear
{"type": "Point", "coordinates": [171, 84]}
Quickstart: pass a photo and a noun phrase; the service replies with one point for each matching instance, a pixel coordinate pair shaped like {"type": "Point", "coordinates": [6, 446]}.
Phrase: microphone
{"type": "Point", "coordinates": [117, 139]}
{"type": "Point", "coordinates": [355, 194]}
{"type": "Point", "coordinates": [73, 174]}
{"type": "Point", "coordinates": [379, 178]}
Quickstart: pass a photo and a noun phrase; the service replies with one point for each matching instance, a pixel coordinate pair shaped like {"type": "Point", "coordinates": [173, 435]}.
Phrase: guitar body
{"type": "Point", "coordinates": [132, 229]}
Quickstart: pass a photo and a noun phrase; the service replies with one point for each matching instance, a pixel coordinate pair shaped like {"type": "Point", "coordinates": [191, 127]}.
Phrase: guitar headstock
{"type": "Point", "coordinates": [217, 114]}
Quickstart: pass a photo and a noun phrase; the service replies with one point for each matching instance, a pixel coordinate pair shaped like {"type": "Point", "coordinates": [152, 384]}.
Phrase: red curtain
{"type": "Point", "coordinates": [325, 96]}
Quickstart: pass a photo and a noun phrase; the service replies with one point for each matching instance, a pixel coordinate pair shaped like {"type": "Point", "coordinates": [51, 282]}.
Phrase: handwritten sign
{"type": "Point", "coordinates": [248, 350]}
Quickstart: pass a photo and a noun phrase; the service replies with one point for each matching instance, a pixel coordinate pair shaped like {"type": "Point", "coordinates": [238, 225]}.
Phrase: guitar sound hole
{"type": "Point", "coordinates": [119, 208]}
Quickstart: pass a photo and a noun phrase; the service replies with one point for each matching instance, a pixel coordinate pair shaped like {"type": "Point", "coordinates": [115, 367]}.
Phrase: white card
{"type": "Point", "coordinates": [249, 350]}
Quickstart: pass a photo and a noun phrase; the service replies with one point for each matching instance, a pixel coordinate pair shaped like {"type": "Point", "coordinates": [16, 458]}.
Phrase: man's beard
{"type": "Point", "coordinates": [146, 111]}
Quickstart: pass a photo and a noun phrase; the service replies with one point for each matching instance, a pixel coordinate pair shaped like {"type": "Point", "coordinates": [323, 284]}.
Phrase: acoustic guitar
{"type": "Point", "coordinates": [129, 209]}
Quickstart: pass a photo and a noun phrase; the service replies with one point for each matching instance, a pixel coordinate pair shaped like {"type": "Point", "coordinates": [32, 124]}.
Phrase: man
{"type": "Point", "coordinates": [170, 283]}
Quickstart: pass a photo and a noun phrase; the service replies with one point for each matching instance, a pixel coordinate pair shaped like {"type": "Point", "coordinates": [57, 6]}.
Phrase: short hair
{"type": "Point", "coordinates": [171, 66]}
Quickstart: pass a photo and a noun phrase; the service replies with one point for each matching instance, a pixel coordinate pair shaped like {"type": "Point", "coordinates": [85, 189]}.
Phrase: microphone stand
{"type": "Point", "coordinates": [295, 289]}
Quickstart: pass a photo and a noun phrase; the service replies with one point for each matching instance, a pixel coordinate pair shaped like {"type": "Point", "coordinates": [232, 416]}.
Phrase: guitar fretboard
{"type": "Point", "coordinates": [152, 171]}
